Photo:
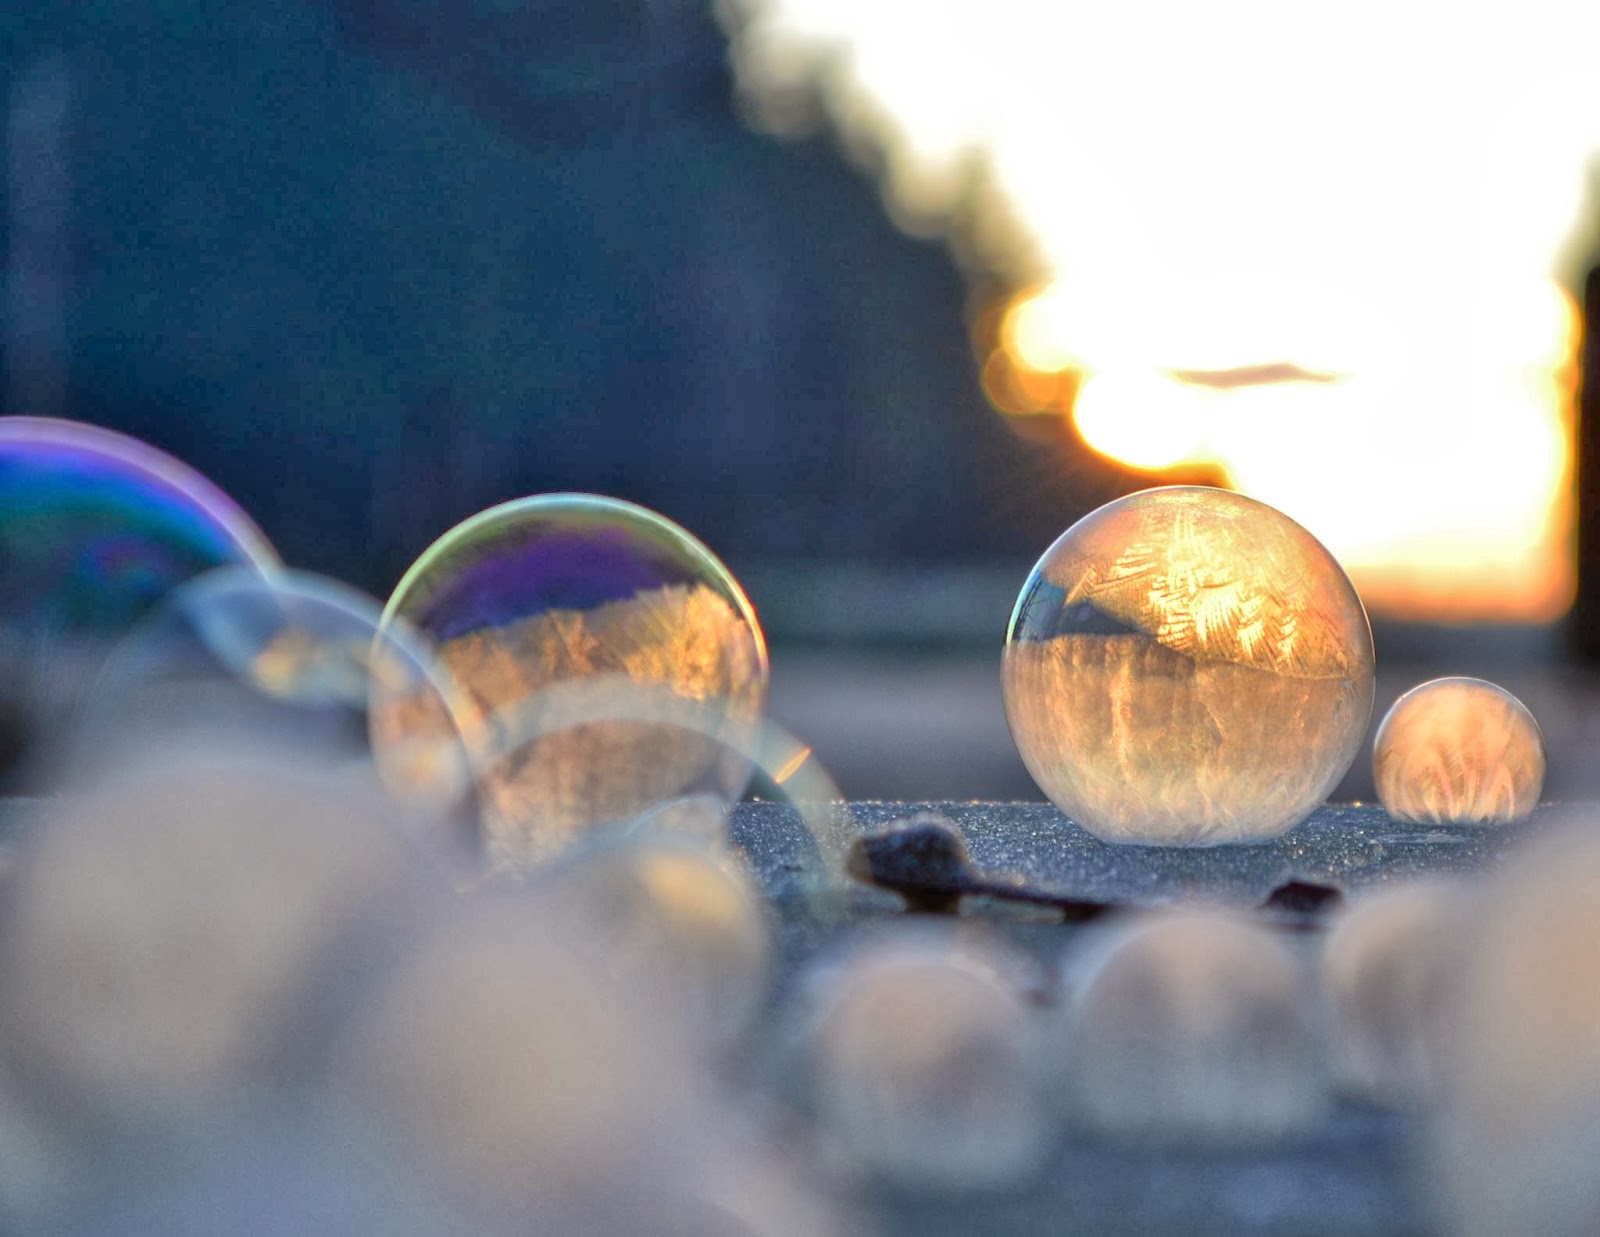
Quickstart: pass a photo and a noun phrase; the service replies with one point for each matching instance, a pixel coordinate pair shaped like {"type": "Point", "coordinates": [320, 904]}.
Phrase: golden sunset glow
{"type": "Point", "coordinates": [1335, 280]}
{"type": "Point", "coordinates": [1443, 489]}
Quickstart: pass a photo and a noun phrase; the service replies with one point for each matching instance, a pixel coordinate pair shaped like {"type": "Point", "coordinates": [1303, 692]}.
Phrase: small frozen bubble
{"type": "Point", "coordinates": [1388, 975]}
{"type": "Point", "coordinates": [1459, 751]}
{"type": "Point", "coordinates": [508, 1067]}
{"type": "Point", "coordinates": [168, 934]}
{"type": "Point", "coordinates": [95, 529]}
{"type": "Point", "coordinates": [1191, 1026]}
{"type": "Point", "coordinates": [1187, 666]}
{"type": "Point", "coordinates": [684, 925]}
{"type": "Point", "coordinates": [1518, 1134]}
{"type": "Point", "coordinates": [554, 617]}
{"type": "Point", "coordinates": [923, 1067]}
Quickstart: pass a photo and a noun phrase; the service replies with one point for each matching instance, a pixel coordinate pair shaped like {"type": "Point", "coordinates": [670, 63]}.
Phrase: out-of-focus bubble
{"type": "Point", "coordinates": [1518, 1134]}
{"type": "Point", "coordinates": [922, 1065]}
{"type": "Point", "coordinates": [40, 1165]}
{"type": "Point", "coordinates": [789, 769]}
{"type": "Point", "coordinates": [1187, 665]}
{"type": "Point", "coordinates": [682, 925]}
{"type": "Point", "coordinates": [167, 935]}
{"type": "Point", "coordinates": [1458, 751]}
{"type": "Point", "coordinates": [261, 1173]}
{"type": "Point", "coordinates": [289, 662]}
{"type": "Point", "coordinates": [508, 1067]}
{"type": "Point", "coordinates": [1192, 1026]}
{"type": "Point", "coordinates": [1388, 974]}
{"type": "Point", "coordinates": [572, 604]}
{"type": "Point", "coordinates": [727, 1178]}
{"type": "Point", "coordinates": [95, 528]}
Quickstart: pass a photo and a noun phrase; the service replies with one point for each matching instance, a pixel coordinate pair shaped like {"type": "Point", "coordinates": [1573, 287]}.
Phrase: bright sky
{"type": "Point", "coordinates": [1380, 191]}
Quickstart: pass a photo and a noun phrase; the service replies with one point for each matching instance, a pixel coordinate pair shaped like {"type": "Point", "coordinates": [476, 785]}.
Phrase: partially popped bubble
{"type": "Point", "coordinates": [553, 617]}
{"type": "Point", "coordinates": [95, 529]}
{"type": "Point", "coordinates": [1187, 665]}
{"type": "Point", "coordinates": [1459, 751]}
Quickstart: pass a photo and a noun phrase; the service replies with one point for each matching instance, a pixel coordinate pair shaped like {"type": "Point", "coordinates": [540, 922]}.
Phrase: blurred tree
{"type": "Point", "coordinates": [375, 264]}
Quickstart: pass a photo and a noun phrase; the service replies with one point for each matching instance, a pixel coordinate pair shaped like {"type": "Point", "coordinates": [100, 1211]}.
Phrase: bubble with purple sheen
{"type": "Point", "coordinates": [521, 569]}
{"type": "Point", "coordinates": [96, 527]}
{"type": "Point", "coordinates": [600, 660]}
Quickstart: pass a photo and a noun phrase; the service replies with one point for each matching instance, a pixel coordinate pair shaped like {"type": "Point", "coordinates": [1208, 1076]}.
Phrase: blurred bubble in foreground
{"type": "Point", "coordinates": [550, 611]}
{"type": "Point", "coordinates": [170, 935]}
{"type": "Point", "coordinates": [1187, 665]}
{"type": "Point", "coordinates": [1518, 1135]}
{"type": "Point", "coordinates": [1194, 1025]}
{"type": "Point", "coordinates": [923, 1066]}
{"type": "Point", "coordinates": [682, 924]}
{"type": "Point", "coordinates": [95, 528]}
{"type": "Point", "coordinates": [1459, 751]}
{"type": "Point", "coordinates": [1388, 970]}
{"type": "Point", "coordinates": [508, 1068]}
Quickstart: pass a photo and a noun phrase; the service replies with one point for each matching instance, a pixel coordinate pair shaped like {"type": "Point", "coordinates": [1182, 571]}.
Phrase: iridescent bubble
{"type": "Point", "coordinates": [95, 528]}
{"type": "Point", "coordinates": [1187, 666]}
{"type": "Point", "coordinates": [1191, 1025]}
{"type": "Point", "coordinates": [290, 662]}
{"type": "Point", "coordinates": [923, 1064]}
{"type": "Point", "coordinates": [1459, 751]}
{"type": "Point", "coordinates": [602, 663]}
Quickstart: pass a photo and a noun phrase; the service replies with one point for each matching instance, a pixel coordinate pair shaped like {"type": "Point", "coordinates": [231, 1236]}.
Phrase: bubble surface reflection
{"type": "Point", "coordinates": [602, 662]}
{"type": "Point", "coordinates": [1187, 665]}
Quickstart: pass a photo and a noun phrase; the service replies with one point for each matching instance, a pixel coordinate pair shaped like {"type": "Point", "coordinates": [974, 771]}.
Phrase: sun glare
{"type": "Point", "coordinates": [1318, 249]}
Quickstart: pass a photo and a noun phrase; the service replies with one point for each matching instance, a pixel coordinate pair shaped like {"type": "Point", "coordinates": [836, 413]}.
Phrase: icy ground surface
{"type": "Point", "coordinates": [1363, 1173]}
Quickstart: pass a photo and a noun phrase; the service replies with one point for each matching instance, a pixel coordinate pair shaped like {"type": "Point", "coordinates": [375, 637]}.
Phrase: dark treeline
{"type": "Point", "coordinates": [375, 265]}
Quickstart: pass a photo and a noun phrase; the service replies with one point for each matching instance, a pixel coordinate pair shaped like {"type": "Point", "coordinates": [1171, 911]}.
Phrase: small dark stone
{"type": "Point", "coordinates": [1304, 901]}
{"type": "Point", "coordinates": [924, 860]}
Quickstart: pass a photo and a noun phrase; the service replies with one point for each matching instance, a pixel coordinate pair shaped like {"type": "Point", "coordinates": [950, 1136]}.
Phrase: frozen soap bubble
{"type": "Point", "coordinates": [95, 528]}
{"type": "Point", "coordinates": [1458, 751]}
{"type": "Point", "coordinates": [602, 663]}
{"type": "Point", "coordinates": [1191, 1025]}
{"type": "Point", "coordinates": [1188, 666]}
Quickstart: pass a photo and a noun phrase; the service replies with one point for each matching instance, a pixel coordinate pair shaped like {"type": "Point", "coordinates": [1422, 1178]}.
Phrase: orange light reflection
{"type": "Point", "coordinates": [1442, 480]}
